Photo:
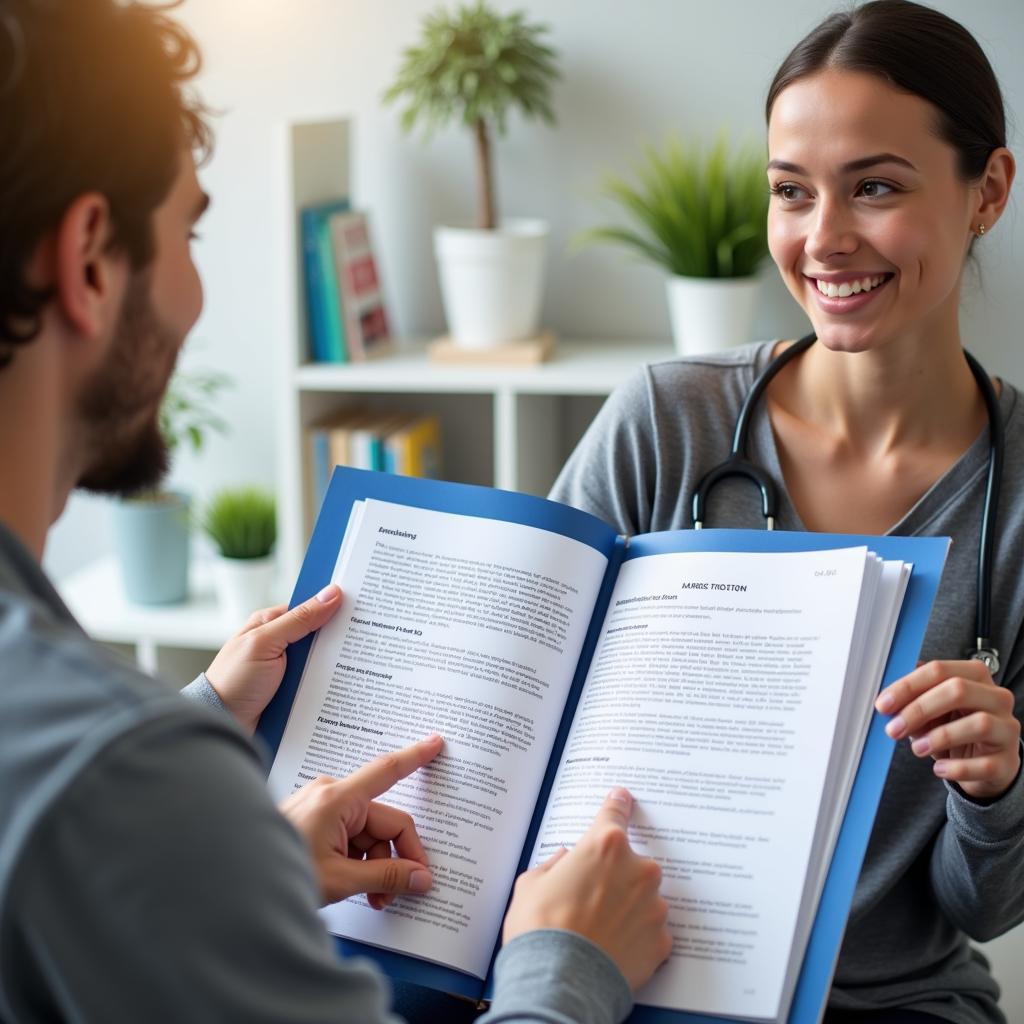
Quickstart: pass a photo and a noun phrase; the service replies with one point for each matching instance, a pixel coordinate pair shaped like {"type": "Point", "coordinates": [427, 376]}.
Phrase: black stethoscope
{"type": "Point", "coordinates": [737, 464]}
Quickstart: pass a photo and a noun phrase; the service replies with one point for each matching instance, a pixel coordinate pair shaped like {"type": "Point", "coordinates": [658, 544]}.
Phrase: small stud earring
{"type": "Point", "coordinates": [981, 230]}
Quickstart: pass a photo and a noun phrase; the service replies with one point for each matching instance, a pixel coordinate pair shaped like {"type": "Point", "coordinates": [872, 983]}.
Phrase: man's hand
{"type": "Point", "coordinates": [351, 835]}
{"type": "Point", "coordinates": [602, 890]}
{"type": "Point", "coordinates": [249, 668]}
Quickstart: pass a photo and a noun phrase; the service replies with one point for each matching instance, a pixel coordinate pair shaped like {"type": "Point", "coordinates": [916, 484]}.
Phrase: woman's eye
{"type": "Point", "coordinates": [875, 189]}
{"type": "Point", "coordinates": [788, 192]}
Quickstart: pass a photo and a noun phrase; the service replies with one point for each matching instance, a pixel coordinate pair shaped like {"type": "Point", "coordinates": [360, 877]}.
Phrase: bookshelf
{"type": "Point", "coordinates": [175, 641]}
{"type": "Point", "coordinates": [510, 427]}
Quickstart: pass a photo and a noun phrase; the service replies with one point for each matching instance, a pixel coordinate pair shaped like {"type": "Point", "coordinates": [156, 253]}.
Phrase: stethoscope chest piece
{"type": "Point", "coordinates": [988, 656]}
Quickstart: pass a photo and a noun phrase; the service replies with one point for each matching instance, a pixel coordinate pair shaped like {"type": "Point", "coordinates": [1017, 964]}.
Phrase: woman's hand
{"type": "Point", "coordinates": [954, 712]}
{"type": "Point", "coordinates": [249, 668]}
{"type": "Point", "coordinates": [351, 836]}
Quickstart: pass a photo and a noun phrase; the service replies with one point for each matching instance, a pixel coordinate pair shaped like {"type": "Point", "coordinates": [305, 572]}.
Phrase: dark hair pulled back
{"type": "Point", "coordinates": [918, 50]}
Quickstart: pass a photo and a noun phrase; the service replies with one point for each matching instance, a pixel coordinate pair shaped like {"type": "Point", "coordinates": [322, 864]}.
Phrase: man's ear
{"type": "Point", "coordinates": [89, 278]}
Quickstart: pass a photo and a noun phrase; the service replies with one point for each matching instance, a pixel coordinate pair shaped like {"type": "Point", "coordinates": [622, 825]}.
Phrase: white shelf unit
{"type": "Point", "coordinates": [175, 641]}
{"type": "Point", "coordinates": [503, 426]}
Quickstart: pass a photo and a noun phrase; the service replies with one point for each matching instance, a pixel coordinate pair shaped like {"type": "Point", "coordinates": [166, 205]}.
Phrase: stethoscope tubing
{"type": "Point", "coordinates": [739, 465]}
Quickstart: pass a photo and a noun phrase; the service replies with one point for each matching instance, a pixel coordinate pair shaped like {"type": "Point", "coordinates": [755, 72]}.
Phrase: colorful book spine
{"type": "Point", "coordinates": [414, 449]}
{"type": "Point", "coordinates": [425, 448]}
{"type": "Point", "coordinates": [325, 324]}
{"type": "Point", "coordinates": [362, 301]}
{"type": "Point", "coordinates": [337, 347]}
{"type": "Point", "coordinates": [316, 323]}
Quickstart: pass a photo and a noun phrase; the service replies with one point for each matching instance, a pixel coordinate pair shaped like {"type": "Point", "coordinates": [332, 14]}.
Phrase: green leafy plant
{"type": "Point", "coordinates": [473, 66]}
{"type": "Point", "coordinates": [187, 414]}
{"type": "Point", "coordinates": [695, 213]}
{"type": "Point", "coordinates": [241, 522]}
{"type": "Point", "coordinates": [187, 417]}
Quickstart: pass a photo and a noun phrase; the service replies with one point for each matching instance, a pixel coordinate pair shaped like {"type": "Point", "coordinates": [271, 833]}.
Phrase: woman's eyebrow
{"type": "Point", "coordinates": [854, 165]}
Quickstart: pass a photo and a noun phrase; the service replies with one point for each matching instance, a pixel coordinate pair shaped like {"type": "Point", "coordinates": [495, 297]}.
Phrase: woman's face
{"type": "Point", "coordinates": [869, 221]}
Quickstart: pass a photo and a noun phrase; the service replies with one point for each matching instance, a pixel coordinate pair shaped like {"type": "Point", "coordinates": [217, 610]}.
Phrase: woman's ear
{"type": "Point", "coordinates": [993, 189]}
{"type": "Point", "coordinates": [89, 277]}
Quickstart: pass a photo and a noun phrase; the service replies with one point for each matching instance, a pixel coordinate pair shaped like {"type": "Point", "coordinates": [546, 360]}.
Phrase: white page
{"type": "Point", "coordinates": [717, 709]}
{"type": "Point", "coordinates": [880, 615]}
{"type": "Point", "coordinates": [454, 624]}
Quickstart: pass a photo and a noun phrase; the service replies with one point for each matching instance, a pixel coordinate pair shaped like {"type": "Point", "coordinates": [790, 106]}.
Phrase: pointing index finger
{"type": "Point", "coordinates": [616, 809]}
{"type": "Point", "coordinates": [377, 777]}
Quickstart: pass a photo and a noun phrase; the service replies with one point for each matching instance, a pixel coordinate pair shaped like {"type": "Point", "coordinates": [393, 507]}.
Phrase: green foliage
{"type": "Point", "coordinates": [188, 410]}
{"type": "Point", "coordinates": [475, 65]}
{"type": "Point", "coordinates": [242, 522]}
{"type": "Point", "coordinates": [697, 214]}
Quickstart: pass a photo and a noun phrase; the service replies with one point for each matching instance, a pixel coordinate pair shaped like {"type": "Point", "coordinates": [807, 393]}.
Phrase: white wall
{"type": "Point", "coordinates": [628, 78]}
{"type": "Point", "coordinates": [632, 73]}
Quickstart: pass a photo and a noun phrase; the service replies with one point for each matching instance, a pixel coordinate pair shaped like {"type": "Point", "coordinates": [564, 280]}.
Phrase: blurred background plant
{"type": "Point", "coordinates": [241, 522]}
{"type": "Point", "coordinates": [473, 66]}
{"type": "Point", "coordinates": [188, 413]}
{"type": "Point", "coordinates": [151, 529]}
{"type": "Point", "coordinates": [696, 213]}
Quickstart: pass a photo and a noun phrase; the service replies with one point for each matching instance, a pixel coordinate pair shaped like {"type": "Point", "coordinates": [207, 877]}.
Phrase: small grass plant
{"type": "Point", "coordinates": [242, 522]}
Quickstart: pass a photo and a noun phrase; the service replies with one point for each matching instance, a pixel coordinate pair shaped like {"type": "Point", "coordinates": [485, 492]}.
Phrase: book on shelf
{"type": "Point", "coordinates": [358, 285]}
{"type": "Point", "coordinates": [412, 447]}
{"type": "Point", "coordinates": [324, 323]}
{"type": "Point", "coordinates": [392, 442]}
{"type": "Point", "coordinates": [725, 677]}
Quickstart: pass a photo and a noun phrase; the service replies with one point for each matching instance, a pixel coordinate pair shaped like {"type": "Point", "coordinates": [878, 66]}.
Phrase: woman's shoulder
{"type": "Point", "coordinates": [719, 380]}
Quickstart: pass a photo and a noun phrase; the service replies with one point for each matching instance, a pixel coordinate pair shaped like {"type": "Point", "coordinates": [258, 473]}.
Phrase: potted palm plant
{"type": "Point", "coordinates": [702, 216]}
{"type": "Point", "coordinates": [473, 67]}
{"type": "Point", "coordinates": [242, 523]}
{"type": "Point", "coordinates": [151, 529]}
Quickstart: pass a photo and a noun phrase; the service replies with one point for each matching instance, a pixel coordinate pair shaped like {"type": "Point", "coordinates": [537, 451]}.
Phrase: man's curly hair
{"type": "Point", "coordinates": [92, 99]}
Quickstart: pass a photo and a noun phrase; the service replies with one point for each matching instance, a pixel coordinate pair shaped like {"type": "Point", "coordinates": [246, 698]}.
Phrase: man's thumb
{"type": "Point", "coordinates": [389, 874]}
{"type": "Point", "coordinates": [304, 618]}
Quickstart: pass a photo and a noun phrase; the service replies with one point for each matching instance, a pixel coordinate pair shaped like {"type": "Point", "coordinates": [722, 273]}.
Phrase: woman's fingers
{"type": "Point", "coordinates": [954, 712]}
{"type": "Point", "coordinates": [893, 699]}
{"type": "Point", "coordinates": [981, 728]}
{"type": "Point", "coordinates": [955, 694]}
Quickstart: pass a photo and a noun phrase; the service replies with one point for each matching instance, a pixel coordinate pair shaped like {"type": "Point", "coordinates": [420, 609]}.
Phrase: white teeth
{"type": "Point", "coordinates": [847, 288]}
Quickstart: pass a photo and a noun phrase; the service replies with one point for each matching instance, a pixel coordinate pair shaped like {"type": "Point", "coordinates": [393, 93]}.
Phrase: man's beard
{"type": "Point", "coordinates": [118, 410]}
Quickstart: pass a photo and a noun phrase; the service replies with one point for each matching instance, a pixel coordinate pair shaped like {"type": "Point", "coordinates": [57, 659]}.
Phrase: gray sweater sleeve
{"type": "Point", "coordinates": [201, 691]}
{"type": "Point", "coordinates": [162, 885]}
{"type": "Point", "coordinates": [545, 977]}
{"type": "Point", "coordinates": [613, 472]}
{"type": "Point", "coordinates": [557, 977]}
{"type": "Point", "coordinates": [977, 867]}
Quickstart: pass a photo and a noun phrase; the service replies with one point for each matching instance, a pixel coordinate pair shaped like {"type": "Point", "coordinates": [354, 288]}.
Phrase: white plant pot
{"type": "Point", "coordinates": [244, 585]}
{"type": "Point", "coordinates": [711, 314]}
{"type": "Point", "coordinates": [491, 281]}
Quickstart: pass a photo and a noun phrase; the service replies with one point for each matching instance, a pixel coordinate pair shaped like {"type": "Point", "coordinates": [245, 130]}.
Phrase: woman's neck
{"type": "Point", "coordinates": [909, 393]}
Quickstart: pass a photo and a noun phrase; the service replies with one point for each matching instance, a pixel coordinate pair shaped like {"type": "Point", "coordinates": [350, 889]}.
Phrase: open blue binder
{"type": "Point", "coordinates": [926, 553]}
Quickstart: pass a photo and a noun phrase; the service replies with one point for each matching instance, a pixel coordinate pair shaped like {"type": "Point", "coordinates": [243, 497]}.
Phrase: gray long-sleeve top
{"type": "Point", "coordinates": [939, 867]}
{"type": "Point", "coordinates": [145, 874]}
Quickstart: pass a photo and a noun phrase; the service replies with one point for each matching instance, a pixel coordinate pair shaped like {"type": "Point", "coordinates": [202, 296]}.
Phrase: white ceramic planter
{"type": "Point", "coordinates": [711, 314]}
{"type": "Point", "coordinates": [244, 585]}
{"type": "Point", "coordinates": [491, 281]}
